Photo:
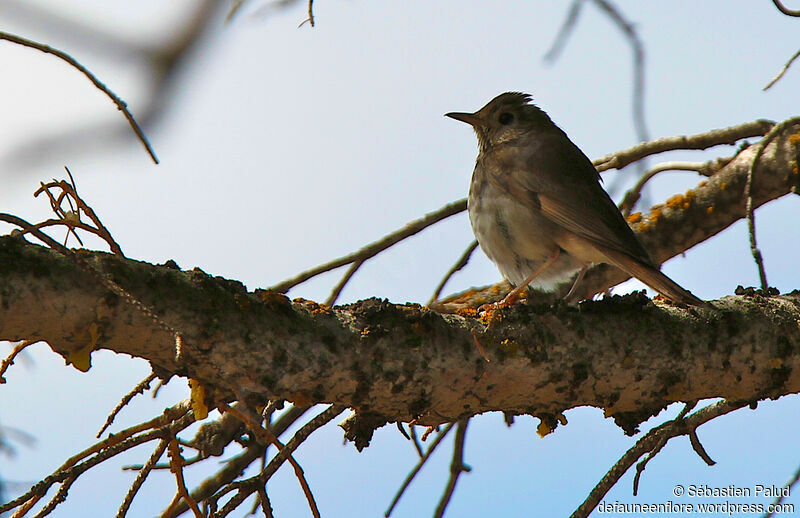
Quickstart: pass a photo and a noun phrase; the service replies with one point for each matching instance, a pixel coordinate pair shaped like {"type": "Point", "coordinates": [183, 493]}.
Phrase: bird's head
{"type": "Point", "coordinates": [504, 118]}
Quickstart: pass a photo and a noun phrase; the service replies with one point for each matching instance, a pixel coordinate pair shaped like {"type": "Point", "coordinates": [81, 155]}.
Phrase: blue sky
{"type": "Point", "coordinates": [282, 148]}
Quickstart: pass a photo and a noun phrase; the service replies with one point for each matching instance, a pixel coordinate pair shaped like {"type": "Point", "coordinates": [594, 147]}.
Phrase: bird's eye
{"type": "Point", "coordinates": [506, 118]}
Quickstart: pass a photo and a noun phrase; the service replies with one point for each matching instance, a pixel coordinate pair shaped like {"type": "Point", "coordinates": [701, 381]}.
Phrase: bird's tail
{"type": "Point", "coordinates": [654, 278]}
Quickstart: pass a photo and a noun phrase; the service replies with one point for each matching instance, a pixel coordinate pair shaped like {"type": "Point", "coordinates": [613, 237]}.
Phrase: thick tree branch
{"type": "Point", "coordinates": [406, 362]}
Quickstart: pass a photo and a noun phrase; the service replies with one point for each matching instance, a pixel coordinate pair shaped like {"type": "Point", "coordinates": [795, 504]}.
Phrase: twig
{"type": "Point", "coordinates": [668, 430]}
{"type": "Point", "coordinates": [59, 497]}
{"type": "Point", "coordinates": [264, 436]}
{"type": "Point", "coordinates": [461, 263]}
{"type": "Point", "coordinates": [376, 247]}
{"type": "Point", "coordinates": [640, 467]}
{"type": "Point", "coordinates": [456, 467]}
{"type": "Point", "coordinates": [412, 430]}
{"type": "Point", "coordinates": [633, 195]}
{"type": "Point", "coordinates": [783, 71]}
{"type": "Point", "coordinates": [784, 10]}
{"type": "Point", "coordinates": [748, 194]}
{"type": "Point", "coordinates": [176, 467]}
{"type": "Point", "coordinates": [266, 414]}
{"type": "Point", "coordinates": [310, 18]}
{"type": "Point", "coordinates": [249, 486]}
{"type": "Point", "coordinates": [697, 446]}
{"type": "Point", "coordinates": [141, 477]}
{"type": "Point", "coordinates": [337, 290]}
{"type": "Point", "coordinates": [789, 485]}
{"type": "Point", "coordinates": [712, 138]}
{"type": "Point", "coordinates": [234, 467]}
{"type": "Point", "coordinates": [9, 360]}
{"type": "Point", "coordinates": [564, 32]}
{"type": "Point", "coordinates": [638, 66]}
{"type": "Point", "coordinates": [266, 505]}
{"type": "Point", "coordinates": [402, 430]}
{"type": "Point", "coordinates": [121, 105]}
{"type": "Point", "coordinates": [416, 469]}
{"type": "Point", "coordinates": [138, 389]}
{"type": "Point", "coordinates": [71, 470]}
{"type": "Point", "coordinates": [69, 192]}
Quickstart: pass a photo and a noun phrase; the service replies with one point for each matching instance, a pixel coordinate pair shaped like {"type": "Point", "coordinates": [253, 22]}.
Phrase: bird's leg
{"type": "Point", "coordinates": [578, 279]}
{"type": "Point", "coordinates": [513, 296]}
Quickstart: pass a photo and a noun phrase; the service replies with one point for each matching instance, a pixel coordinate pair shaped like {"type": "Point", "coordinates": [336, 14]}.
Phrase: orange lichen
{"type": "Point", "coordinates": [655, 214]}
{"type": "Point", "coordinates": [467, 312]}
{"type": "Point", "coordinates": [795, 138]}
{"type": "Point", "coordinates": [636, 217]}
{"type": "Point", "coordinates": [681, 201]}
{"type": "Point", "coordinates": [321, 309]}
{"type": "Point", "coordinates": [273, 296]}
{"type": "Point", "coordinates": [675, 202]}
{"type": "Point", "coordinates": [710, 210]}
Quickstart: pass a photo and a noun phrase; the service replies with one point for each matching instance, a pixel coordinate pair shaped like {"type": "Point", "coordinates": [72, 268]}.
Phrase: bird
{"type": "Point", "coordinates": [537, 207]}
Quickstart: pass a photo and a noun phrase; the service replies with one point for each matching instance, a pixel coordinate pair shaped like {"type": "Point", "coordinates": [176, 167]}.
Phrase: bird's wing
{"type": "Point", "coordinates": [556, 178]}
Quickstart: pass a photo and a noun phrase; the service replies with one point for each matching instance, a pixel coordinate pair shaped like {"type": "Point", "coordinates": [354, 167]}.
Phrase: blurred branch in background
{"type": "Point", "coordinates": [638, 93]}
{"type": "Point", "coordinates": [164, 64]}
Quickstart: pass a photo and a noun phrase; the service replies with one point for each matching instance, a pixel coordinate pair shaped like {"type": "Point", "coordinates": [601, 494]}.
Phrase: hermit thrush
{"type": "Point", "coordinates": [537, 207]}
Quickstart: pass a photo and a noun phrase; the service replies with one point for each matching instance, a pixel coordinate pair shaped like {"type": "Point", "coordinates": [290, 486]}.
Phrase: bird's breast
{"type": "Point", "coordinates": [515, 236]}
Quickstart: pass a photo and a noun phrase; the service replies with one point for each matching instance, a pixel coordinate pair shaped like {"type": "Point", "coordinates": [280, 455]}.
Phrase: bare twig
{"type": "Point", "coordinates": [412, 430]}
{"type": "Point", "coordinates": [638, 66]}
{"type": "Point", "coordinates": [461, 263]}
{"type": "Point", "coordinates": [9, 360]}
{"type": "Point", "coordinates": [457, 467]}
{"type": "Point", "coordinates": [564, 32]}
{"type": "Point", "coordinates": [640, 467]}
{"type": "Point", "coordinates": [784, 10]}
{"type": "Point", "coordinates": [783, 71]}
{"type": "Point", "coordinates": [642, 464]}
{"type": "Point", "coordinates": [413, 472]}
{"type": "Point", "coordinates": [789, 485]}
{"type": "Point", "coordinates": [266, 414]}
{"type": "Point", "coordinates": [176, 467]}
{"type": "Point", "coordinates": [712, 138]}
{"type": "Point", "coordinates": [141, 477]}
{"type": "Point", "coordinates": [633, 195]}
{"type": "Point", "coordinates": [647, 443]}
{"type": "Point", "coordinates": [376, 247]}
{"type": "Point", "coordinates": [251, 485]}
{"type": "Point", "coordinates": [748, 194]}
{"type": "Point", "coordinates": [138, 389]}
{"type": "Point", "coordinates": [70, 192]}
{"type": "Point", "coordinates": [121, 105]}
{"type": "Point", "coordinates": [234, 467]}
{"type": "Point", "coordinates": [170, 424]}
{"type": "Point", "coordinates": [264, 503]}
{"type": "Point", "coordinates": [310, 18]}
{"type": "Point", "coordinates": [697, 446]}
{"type": "Point", "coordinates": [266, 437]}
{"type": "Point", "coordinates": [337, 290]}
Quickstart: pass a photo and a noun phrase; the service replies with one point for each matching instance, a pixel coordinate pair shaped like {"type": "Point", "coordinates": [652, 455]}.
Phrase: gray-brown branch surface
{"type": "Point", "coordinates": [402, 362]}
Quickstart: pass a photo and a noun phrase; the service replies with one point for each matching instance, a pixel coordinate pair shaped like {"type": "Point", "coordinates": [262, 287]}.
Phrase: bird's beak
{"type": "Point", "coordinates": [470, 118]}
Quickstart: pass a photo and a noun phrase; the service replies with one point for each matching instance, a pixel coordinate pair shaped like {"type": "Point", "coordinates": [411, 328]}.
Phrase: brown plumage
{"type": "Point", "coordinates": [537, 207]}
